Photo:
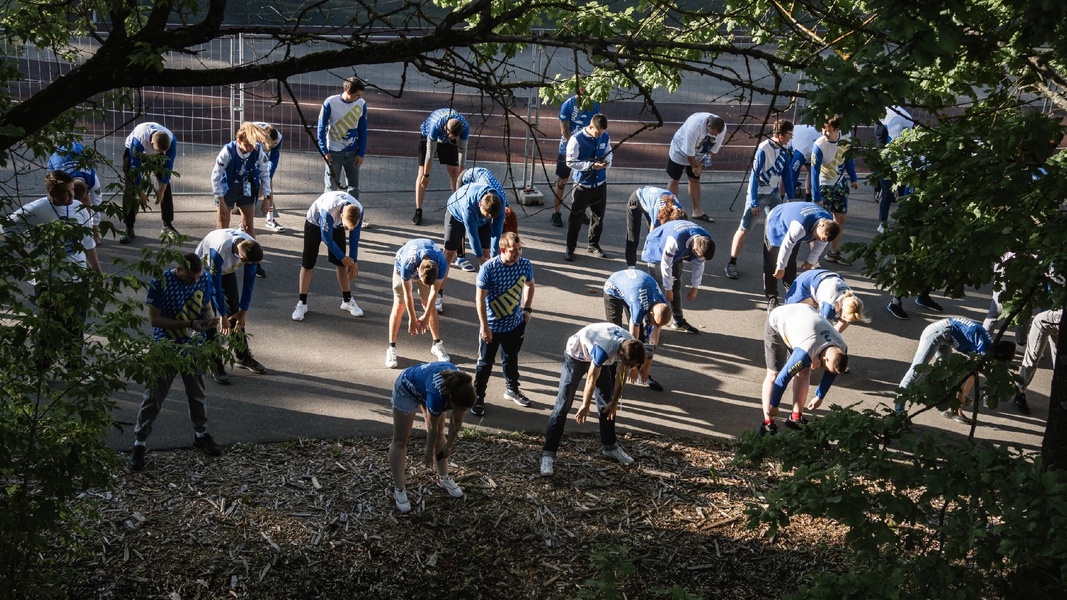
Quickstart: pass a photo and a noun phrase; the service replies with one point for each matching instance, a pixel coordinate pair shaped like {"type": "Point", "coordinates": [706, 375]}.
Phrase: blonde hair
{"type": "Point", "coordinates": [350, 216]}
{"type": "Point", "coordinates": [852, 309]}
{"type": "Point", "coordinates": [254, 134]}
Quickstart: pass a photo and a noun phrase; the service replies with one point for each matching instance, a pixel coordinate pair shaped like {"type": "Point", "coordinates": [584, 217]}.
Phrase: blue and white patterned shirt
{"type": "Point", "coordinates": [504, 285]}
{"type": "Point", "coordinates": [175, 299]}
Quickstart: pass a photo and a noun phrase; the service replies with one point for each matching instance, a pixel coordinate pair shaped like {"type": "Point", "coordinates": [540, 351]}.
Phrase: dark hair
{"type": "Point", "coordinates": [427, 271]}
{"type": "Point", "coordinates": [599, 121]}
{"type": "Point", "coordinates": [1004, 350]}
{"type": "Point", "coordinates": [490, 203]}
{"type": "Point", "coordinates": [717, 124]}
{"type": "Point", "coordinates": [834, 121]}
{"type": "Point", "coordinates": [454, 126]}
{"type": "Point", "coordinates": [632, 352]}
{"type": "Point", "coordinates": [781, 127]}
{"type": "Point", "coordinates": [703, 246]}
{"type": "Point", "coordinates": [250, 251]}
{"type": "Point", "coordinates": [833, 228]}
{"type": "Point", "coordinates": [353, 84]}
{"type": "Point", "coordinates": [56, 178]}
{"type": "Point", "coordinates": [458, 389]}
{"type": "Point", "coordinates": [191, 262]}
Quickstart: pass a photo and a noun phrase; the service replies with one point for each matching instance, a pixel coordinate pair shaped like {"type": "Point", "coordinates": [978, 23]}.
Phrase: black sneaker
{"type": "Point", "coordinates": [595, 250]}
{"type": "Point", "coordinates": [897, 310]}
{"type": "Point", "coordinates": [557, 220]}
{"type": "Point", "coordinates": [653, 385]}
{"type": "Point", "coordinates": [260, 271]}
{"type": "Point", "coordinates": [772, 303]}
{"type": "Point", "coordinates": [221, 377]}
{"type": "Point", "coordinates": [127, 236]}
{"type": "Point", "coordinates": [1020, 403]}
{"type": "Point", "coordinates": [568, 256]}
{"type": "Point", "coordinates": [928, 302]}
{"type": "Point", "coordinates": [253, 365]}
{"type": "Point", "coordinates": [417, 219]}
{"type": "Point", "coordinates": [768, 428]}
{"type": "Point", "coordinates": [684, 326]}
{"type": "Point", "coordinates": [207, 444]}
{"type": "Point", "coordinates": [478, 409]}
{"type": "Point", "coordinates": [792, 423]}
{"type": "Point", "coordinates": [136, 461]}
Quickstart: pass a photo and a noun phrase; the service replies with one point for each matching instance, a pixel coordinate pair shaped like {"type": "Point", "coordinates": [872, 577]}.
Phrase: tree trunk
{"type": "Point", "coordinates": [1054, 444]}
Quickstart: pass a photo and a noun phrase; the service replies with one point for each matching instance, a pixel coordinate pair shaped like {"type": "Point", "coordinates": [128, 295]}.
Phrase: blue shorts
{"type": "Point", "coordinates": [766, 202]}
{"type": "Point", "coordinates": [404, 399]}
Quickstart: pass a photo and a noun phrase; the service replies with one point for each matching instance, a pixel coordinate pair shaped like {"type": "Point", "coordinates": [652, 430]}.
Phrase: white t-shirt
{"type": "Point", "coordinates": [801, 326]}
{"type": "Point", "coordinates": [693, 139]}
{"type": "Point", "coordinates": [804, 137]}
{"type": "Point", "coordinates": [42, 211]}
{"type": "Point", "coordinates": [598, 343]}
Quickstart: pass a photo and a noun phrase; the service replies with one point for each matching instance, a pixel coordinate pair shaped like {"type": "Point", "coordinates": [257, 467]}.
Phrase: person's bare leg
{"type": "Point", "coordinates": [835, 246]}
{"type": "Point", "coordinates": [398, 449]}
{"type": "Point", "coordinates": [342, 278]}
{"type": "Point", "coordinates": [420, 192]}
{"type": "Point", "coordinates": [694, 195]}
{"type": "Point", "coordinates": [248, 218]}
{"type": "Point", "coordinates": [672, 186]}
{"type": "Point", "coordinates": [453, 176]}
{"type": "Point", "coordinates": [768, 384]}
{"type": "Point", "coordinates": [738, 242]}
{"type": "Point", "coordinates": [396, 319]}
{"type": "Point", "coordinates": [305, 280]}
{"type": "Point", "coordinates": [222, 216]}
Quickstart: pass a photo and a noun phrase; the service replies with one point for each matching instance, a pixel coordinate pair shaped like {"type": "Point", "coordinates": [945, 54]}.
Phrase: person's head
{"type": "Point", "coordinates": [350, 216]}
{"type": "Point", "coordinates": [428, 271]}
{"type": "Point", "coordinates": [703, 247]}
{"type": "Point", "coordinates": [661, 314]}
{"type": "Point", "coordinates": [249, 251]}
{"type": "Point", "coordinates": [453, 128]}
{"type": "Point", "coordinates": [189, 268]}
{"type": "Point", "coordinates": [352, 89]}
{"type": "Point", "coordinates": [850, 309]}
{"type": "Point", "coordinates": [670, 212]}
{"type": "Point", "coordinates": [827, 230]}
{"type": "Point", "coordinates": [81, 191]}
{"type": "Point", "coordinates": [1004, 351]}
{"type": "Point", "coordinates": [272, 134]}
{"type": "Point", "coordinates": [598, 124]}
{"type": "Point", "coordinates": [458, 389]}
{"type": "Point", "coordinates": [832, 128]}
{"type": "Point", "coordinates": [250, 134]}
{"type": "Point", "coordinates": [834, 360]}
{"type": "Point", "coordinates": [782, 132]}
{"type": "Point", "coordinates": [489, 205]}
{"type": "Point", "coordinates": [160, 142]}
{"type": "Point", "coordinates": [715, 125]}
{"type": "Point", "coordinates": [631, 353]}
{"type": "Point", "coordinates": [510, 248]}
{"type": "Point", "coordinates": [60, 187]}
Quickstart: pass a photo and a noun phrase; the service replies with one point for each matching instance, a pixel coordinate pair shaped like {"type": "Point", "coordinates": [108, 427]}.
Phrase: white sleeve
{"type": "Point", "coordinates": [697, 267]}
{"type": "Point", "coordinates": [96, 198]}
{"type": "Point", "coordinates": [264, 174]}
{"type": "Point", "coordinates": [221, 162]}
{"type": "Point", "coordinates": [666, 263]}
{"type": "Point", "coordinates": [816, 251]}
{"type": "Point", "coordinates": [792, 238]}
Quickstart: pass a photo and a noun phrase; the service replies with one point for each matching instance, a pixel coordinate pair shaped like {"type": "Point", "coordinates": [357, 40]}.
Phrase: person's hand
{"type": "Point", "coordinates": [427, 458]}
{"type": "Point", "coordinates": [755, 211]}
{"type": "Point", "coordinates": [359, 161]}
{"type": "Point", "coordinates": [424, 181]}
{"type": "Point", "coordinates": [159, 197]}
{"type": "Point", "coordinates": [225, 325]}
{"type": "Point", "coordinates": [329, 159]}
{"type": "Point", "coordinates": [855, 185]}
{"type": "Point", "coordinates": [697, 170]}
{"type": "Point", "coordinates": [144, 200]}
{"type": "Point", "coordinates": [692, 295]}
{"type": "Point", "coordinates": [815, 402]}
{"type": "Point", "coordinates": [583, 413]}
{"type": "Point", "coordinates": [779, 274]}
{"type": "Point", "coordinates": [239, 319]}
{"type": "Point", "coordinates": [486, 334]}
{"type": "Point", "coordinates": [631, 374]}
{"type": "Point", "coordinates": [669, 294]}
{"type": "Point", "coordinates": [610, 410]}
{"type": "Point", "coordinates": [806, 266]}
{"type": "Point", "coordinates": [353, 271]}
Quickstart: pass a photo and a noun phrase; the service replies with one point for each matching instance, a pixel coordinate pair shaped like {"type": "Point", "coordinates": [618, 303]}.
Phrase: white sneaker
{"type": "Point", "coordinates": [352, 307]}
{"type": "Point", "coordinates": [274, 226]}
{"type": "Point", "coordinates": [300, 310]}
{"type": "Point", "coordinates": [439, 305]}
{"type": "Point", "coordinates": [463, 263]}
{"type": "Point", "coordinates": [547, 466]}
{"type": "Point", "coordinates": [438, 350]}
{"type": "Point", "coordinates": [450, 486]}
{"type": "Point", "coordinates": [390, 358]}
{"type": "Point", "coordinates": [401, 499]}
{"type": "Point", "coordinates": [618, 455]}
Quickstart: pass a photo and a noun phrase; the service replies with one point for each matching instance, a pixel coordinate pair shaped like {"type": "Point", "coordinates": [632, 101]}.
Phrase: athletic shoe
{"type": "Point", "coordinates": [897, 310]}
{"type": "Point", "coordinates": [390, 358]}
{"type": "Point", "coordinates": [478, 409]}
{"type": "Point", "coordinates": [568, 256]}
{"type": "Point", "coordinates": [221, 377]}
{"type": "Point", "coordinates": [168, 229]}
{"type": "Point", "coordinates": [300, 310]}
{"type": "Point", "coordinates": [882, 227]}
{"type": "Point", "coordinates": [136, 461]}
{"type": "Point", "coordinates": [352, 307]}
{"type": "Point", "coordinates": [792, 423]}
{"type": "Point", "coordinates": [439, 305]}
{"type": "Point", "coordinates": [517, 397]}
{"type": "Point", "coordinates": [400, 497]}
{"type": "Point", "coordinates": [1020, 403]}
{"type": "Point", "coordinates": [835, 257]}
{"type": "Point", "coordinates": [768, 428]}
{"type": "Point", "coordinates": [683, 326]}
{"type": "Point", "coordinates": [618, 455]}
{"type": "Point", "coordinates": [928, 302]}
{"type": "Point", "coordinates": [251, 364]}
{"type": "Point", "coordinates": [260, 271]}
{"type": "Point", "coordinates": [207, 444]}
{"type": "Point", "coordinates": [127, 236]}
{"type": "Point", "coordinates": [772, 303]}
{"type": "Point", "coordinates": [417, 219]}
{"type": "Point", "coordinates": [557, 220]}
{"type": "Point", "coordinates": [274, 226]}
{"type": "Point", "coordinates": [731, 270]}
{"type": "Point", "coordinates": [463, 263]}
{"type": "Point", "coordinates": [450, 486]}
{"type": "Point", "coordinates": [547, 466]}
{"type": "Point", "coordinates": [438, 350]}
{"type": "Point", "coordinates": [651, 384]}
{"type": "Point", "coordinates": [955, 416]}
{"type": "Point", "coordinates": [596, 250]}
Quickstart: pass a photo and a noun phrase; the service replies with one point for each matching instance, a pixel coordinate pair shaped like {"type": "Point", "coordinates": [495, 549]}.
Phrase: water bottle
{"type": "Point", "coordinates": [707, 161]}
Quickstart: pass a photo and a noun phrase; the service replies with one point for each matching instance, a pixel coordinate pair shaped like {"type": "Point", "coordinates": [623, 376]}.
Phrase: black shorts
{"type": "Point", "coordinates": [447, 153]}
{"type": "Point", "coordinates": [456, 231]}
{"type": "Point", "coordinates": [312, 241]}
{"type": "Point", "coordinates": [674, 170]}
{"type": "Point", "coordinates": [562, 170]}
{"type": "Point", "coordinates": [235, 196]}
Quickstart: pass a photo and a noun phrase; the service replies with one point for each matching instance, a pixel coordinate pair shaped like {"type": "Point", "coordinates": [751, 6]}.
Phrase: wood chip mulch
{"type": "Point", "coordinates": [315, 519]}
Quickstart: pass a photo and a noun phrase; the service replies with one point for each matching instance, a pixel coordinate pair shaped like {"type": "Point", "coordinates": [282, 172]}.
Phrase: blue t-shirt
{"type": "Point", "coordinates": [570, 112]}
{"type": "Point", "coordinates": [968, 336]}
{"type": "Point", "coordinates": [781, 217]}
{"type": "Point", "coordinates": [638, 290]}
{"type": "Point", "coordinates": [410, 256]}
{"type": "Point", "coordinates": [425, 384]}
{"type": "Point", "coordinates": [504, 284]}
{"type": "Point", "coordinates": [463, 206]}
{"type": "Point", "coordinates": [176, 299]}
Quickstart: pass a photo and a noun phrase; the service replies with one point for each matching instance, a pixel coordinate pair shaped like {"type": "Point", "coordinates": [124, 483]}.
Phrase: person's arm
{"type": "Point", "coordinates": [587, 393]}
{"type": "Point", "coordinates": [527, 298]}
{"type": "Point", "coordinates": [793, 235]}
{"type": "Point", "coordinates": [496, 229]}
{"type": "Point", "coordinates": [435, 439]}
{"type": "Point", "coordinates": [93, 260]}
{"type": "Point", "coordinates": [799, 361]}
{"type": "Point", "coordinates": [786, 183]}
{"type": "Point", "coordinates": [471, 216]}
{"type": "Point", "coordinates": [816, 166]}
{"type": "Point", "coordinates": [249, 285]}
{"type": "Point", "coordinates": [326, 226]}
{"type": "Point", "coordinates": [353, 239]}
{"type": "Point", "coordinates": [606, 159]}
{"type": "Point", "coordinates": [814, 254]}
{"type": "Point", "coordinates": [264, 175]}
{"type": "Point", "coordinates": [696, 268]}
{"type": "Point", "coordinates": [850, 168]}
{"type": "Point", "coordinates": [168, 167]}
{"type": "Point", "coordinates": [480, 296]}
{"type": "Point", "coordinates": [616, 393]}
{"type": "Point", "coordinates": [824, 388]}
{"type": "Point", "coordinates": [455, 426]}
{"type": "Point", "coordinates": [213, 265]}
{"type": "Point", "coordinates": [323, 130]}
{"type": "Point", "coordinates": [461, 146]}
{"type": "Point", "coordinates": [221, 162]}
{"type": "Point", "coordinates": [753, 181]}
{"type": "Point", "coordinates": [573, 161]}
{"type": "Point", "coordinates": [361, 143]}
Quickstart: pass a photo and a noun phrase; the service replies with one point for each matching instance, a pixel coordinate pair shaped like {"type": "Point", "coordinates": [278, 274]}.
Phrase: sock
{"type": "Point", "coordinates": [733, 260]}
{"type": "Point", "coordinates": [796, 416]}
{"type": "Point", "coordinates": [199, 434]}
{"type": "Point", "coordinates": [346, 296]}
{"type": "Point", "coordinates": [437, 341]}
{"type": "Point", "coordinates": [139, 443]}
{"type": "Point", "coordinates": [392, 345]}
{"type": "Point", "coordinates": [303, 298]}
{"type": "Point", "coordinates": [768, 421]}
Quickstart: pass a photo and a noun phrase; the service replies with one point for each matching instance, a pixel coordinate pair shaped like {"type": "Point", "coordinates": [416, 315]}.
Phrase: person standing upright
{"type": "Point", "coordinates": [700, 136]}
{"type": "Point", "coordinates": [572, 117]}
{"type": "Point", "coordinates": [829, 165]}
{"type": "Point", "coordinates": [589, 157]}
{"type": "Point", "coordinates": [241, 176]}
{"type": "Point", "coordinates": [445, 132]}
{"type": "Point", "coordinates": [342, 135]}
{"type": "Point", "coordinates": [147, 140]}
